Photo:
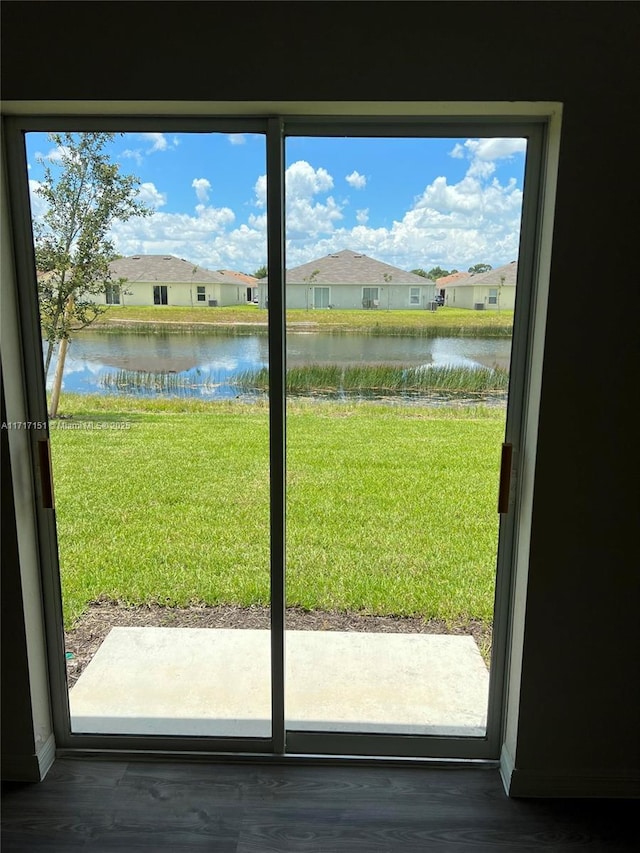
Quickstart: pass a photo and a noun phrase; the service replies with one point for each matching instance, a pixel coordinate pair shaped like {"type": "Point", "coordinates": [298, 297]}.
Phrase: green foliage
{"type": "Point", "coordinates": [437, 272]}
{"type": "Point", "coordinates": [476, 269]}
{"type": "Point", "coordinates": [85, 194]}
{"type": "Point", "coordinates": [261, 272]}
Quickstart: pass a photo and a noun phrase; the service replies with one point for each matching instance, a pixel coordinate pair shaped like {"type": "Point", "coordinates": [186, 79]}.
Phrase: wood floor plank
{"type": "Point", "coordinates": [111, 806]}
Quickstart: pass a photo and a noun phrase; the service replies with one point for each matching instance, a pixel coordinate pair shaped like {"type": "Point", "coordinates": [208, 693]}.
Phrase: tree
{"type": "Point", "coordinates": [421, 272]}
{"type": "Point", "coordinates": [476, 269]}
{"type": "Point", "coordinates": [309, 279]}
{"type": "Point", "coordinates": [85, 194]}
{"type": "Point", "coordinates": [261, 272]}
{"type": "Point", "coordinates": [437, 272]}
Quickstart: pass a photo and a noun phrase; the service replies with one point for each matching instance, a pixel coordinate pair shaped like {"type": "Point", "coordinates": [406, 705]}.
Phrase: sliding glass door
{"type": "Point", "coordinates": [278, 454]}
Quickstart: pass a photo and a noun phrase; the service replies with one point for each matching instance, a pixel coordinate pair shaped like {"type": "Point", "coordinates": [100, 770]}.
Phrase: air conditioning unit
{"type": "Point", "coordinates": [478, 306]}
{"type": "Point", "coordinates": [213, 303]}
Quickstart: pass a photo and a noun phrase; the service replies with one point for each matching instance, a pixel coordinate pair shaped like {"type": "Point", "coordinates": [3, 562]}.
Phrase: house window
{"type": "Point", "coordinates": [370, 297]}
{"type": "Point", "coordinates": [321, 297]}
{"type": "Point", "coordinates": [202, 296]}
{"type": "Point", "coordinates": [112, 294]}
{"type": "Point", "coordinates": [414, 296]}
{"type": "Point", "coordinates": [493, 296]}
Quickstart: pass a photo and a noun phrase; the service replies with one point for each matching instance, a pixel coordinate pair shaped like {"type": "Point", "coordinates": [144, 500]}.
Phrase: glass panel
{"type": "Point", "coordinates": [320, 297]}
{"type": "Point", "coordinates": [395, 421]}
{"type": "Point", "coordinates": [160, 455]}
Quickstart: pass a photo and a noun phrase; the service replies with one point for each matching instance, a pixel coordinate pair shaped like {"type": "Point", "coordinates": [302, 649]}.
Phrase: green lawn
{"type": "Point", "coordinates": [453, 320]}
{"type": "Point", "coordinates": [390, 510]}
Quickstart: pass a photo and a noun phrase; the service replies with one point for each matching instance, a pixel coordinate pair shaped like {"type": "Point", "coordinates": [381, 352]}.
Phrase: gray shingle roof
{"type": "Point", "coordinates": [166, 268]}
{"type": "Point", "coordinates": [347, 267]}
{"type": "Point", "coordinates": [489, 279]}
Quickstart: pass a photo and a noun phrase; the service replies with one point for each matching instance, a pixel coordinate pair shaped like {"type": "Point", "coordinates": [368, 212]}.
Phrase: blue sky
{"type": "Point", "coordinates": [409, 202]}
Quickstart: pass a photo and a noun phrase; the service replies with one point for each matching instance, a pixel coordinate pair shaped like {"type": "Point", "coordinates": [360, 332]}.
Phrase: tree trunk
{"type": "Point", "coordinates": [57, 378]}
{"type": "Point", "coordinates": [62, 355]}
{"type": "Point", "coordinates": [47, 361]}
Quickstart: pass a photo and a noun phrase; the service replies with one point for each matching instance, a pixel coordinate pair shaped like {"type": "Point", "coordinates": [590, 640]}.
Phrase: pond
{"type": "Point", "coordinates": [203, 365]}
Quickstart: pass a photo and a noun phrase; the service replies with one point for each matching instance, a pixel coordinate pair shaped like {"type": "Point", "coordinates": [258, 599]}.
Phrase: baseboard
{"type": "Point", "coordinates": [524, 783]}
{"type": "Point", "coordinates": [29, 768]}
{"type": "Point", "coordinates": [506, 768]}
{"type": "Point", "coordinates": [46, 755]}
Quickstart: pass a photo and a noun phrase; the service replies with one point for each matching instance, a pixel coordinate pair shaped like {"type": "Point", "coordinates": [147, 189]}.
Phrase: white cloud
{"type": "Point", "coordinates": [202, 187]}
{"type": "Point", "coordinates": [303, 181]}
{"type": "Point", "coordinates": [203, 238]}
{"type": "Point", "coordinates": [305, 216]}
{"type": "Point", "coordinates": [148, 194]}
{"type": "Point", "coordinates": [260, 189]}
{"type": "Point", "coordinates": [237, 138]}
{"type": "Point", "coordinates": [154, 142]}
{"type": "Point", "coordinates": [481, 168]}
{"type": "Point", "coordinates": [356, 180]}
{"type": "Point", "coordinates": [495, 148]}
{"type": "Point", "coordinates": [55, 155]}
{"type": "Point", "coordinates": [157, 142]}
{"type": "Point", "coordinates": [133, 154]}
{"type": "Point", "coordinates": [38, 204]}
{"type": "Point", "coordinates": [482, 153]}
{"type": "Point", "coordinates": [451, 224]}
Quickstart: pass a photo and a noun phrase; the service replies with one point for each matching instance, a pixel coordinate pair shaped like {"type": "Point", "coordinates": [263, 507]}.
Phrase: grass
{"type": "Point", "coordinates": [323, 379]}
{"type": "Point", "coordinates": [379, 378]}
{"type": "Point", "coordinates": [390, 510]}
{"type": "Point", "coordinates": [249, 318]}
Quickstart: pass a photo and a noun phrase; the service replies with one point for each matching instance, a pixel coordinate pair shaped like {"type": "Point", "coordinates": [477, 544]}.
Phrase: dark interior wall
{"type": "Point", "coordinates": [580, 697]}
{"type": "Point", "coordinates": [15, 708]}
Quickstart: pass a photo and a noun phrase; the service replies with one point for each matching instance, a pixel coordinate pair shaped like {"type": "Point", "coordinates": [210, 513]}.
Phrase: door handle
{"type": "Point", "coordinates": [46, 475]}
{"type": "Point", "coordinates": [505, 477]}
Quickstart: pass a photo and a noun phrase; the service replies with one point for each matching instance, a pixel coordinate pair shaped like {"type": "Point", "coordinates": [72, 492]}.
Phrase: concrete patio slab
{"type": "Point", "coordinates": [216, 682]}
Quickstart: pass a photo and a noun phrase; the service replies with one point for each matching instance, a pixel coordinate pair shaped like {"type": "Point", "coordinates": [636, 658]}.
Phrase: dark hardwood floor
{"type": "Point", "coordinates": [97, 805]}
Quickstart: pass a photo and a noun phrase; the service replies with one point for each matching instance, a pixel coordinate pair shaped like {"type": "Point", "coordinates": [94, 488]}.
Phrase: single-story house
{"type": "Point", "coordinates": [488, 291]}
{"type": "Point", "coordinates": [444, 280]}
{"type": "Point", "coordinates": [350, 279]}
{"type": "Point", "coordinates": [167, 280]}
{"type": "Point", "coordinates": [250, 282]}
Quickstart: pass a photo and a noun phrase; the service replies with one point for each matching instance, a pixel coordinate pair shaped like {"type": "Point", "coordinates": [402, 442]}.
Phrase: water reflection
{"type": "Point", "coordinates": [205, 365]}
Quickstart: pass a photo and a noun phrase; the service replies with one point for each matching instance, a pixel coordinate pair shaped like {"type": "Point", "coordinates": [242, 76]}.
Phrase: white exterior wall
{"type": "Point", "coordinates": [180, 293]}
{"type": "Point", "coordinates": [350, 296]}
{"type": "Point", "coordinates": [469, 297]}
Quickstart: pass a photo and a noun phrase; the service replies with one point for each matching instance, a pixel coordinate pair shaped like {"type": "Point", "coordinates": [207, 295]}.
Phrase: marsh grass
{"type": "Point", "coordinates": [380, 378]}
{"type": "Point", "coordinates": [390, 510]}
{"type": "Point", "coordinates": [145, 382]}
